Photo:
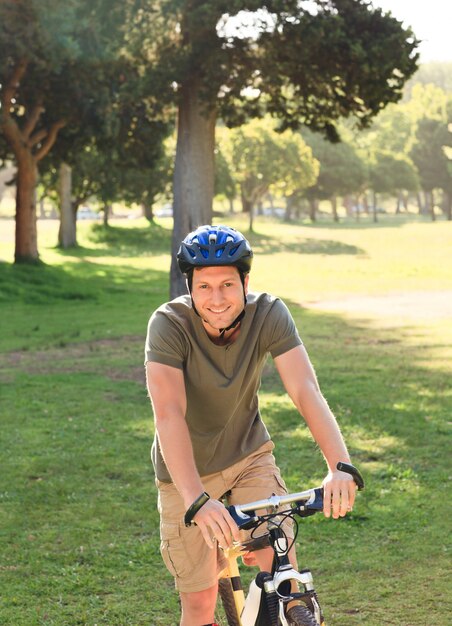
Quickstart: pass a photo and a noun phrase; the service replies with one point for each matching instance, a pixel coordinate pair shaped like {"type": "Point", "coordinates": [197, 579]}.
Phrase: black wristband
{"type": "Point", "coordinates": [194, 508]}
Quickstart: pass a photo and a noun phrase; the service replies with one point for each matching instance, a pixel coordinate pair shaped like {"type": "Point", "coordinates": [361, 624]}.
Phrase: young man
{"type": "Point", "coordinates": [204, 357]}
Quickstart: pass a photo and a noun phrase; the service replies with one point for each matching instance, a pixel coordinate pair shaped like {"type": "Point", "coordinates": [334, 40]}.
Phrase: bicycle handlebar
{"type": "Point", "coordinates": [305, 502]}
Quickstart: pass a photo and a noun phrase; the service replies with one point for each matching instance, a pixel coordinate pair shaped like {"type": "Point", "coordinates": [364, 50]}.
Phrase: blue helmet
{"type": "Point", "coordinates": [214, 245]}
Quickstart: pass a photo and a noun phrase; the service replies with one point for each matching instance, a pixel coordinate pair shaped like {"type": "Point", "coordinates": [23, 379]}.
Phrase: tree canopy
{"type": "Point", "coordinates": [304, 63]}
{"type": "Point", "coordinates": [66, 66]}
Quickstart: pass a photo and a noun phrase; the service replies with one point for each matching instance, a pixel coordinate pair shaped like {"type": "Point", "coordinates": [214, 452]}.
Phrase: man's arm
{"type": "Point", "coordinates": [166, 388]}
{"type": "Point", "coordinates": [301, 384]}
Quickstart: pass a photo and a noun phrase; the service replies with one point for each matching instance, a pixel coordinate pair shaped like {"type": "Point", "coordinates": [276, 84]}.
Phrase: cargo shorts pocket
{"type": "Point", "coordinates": [279, 482]}
{"type": "Point", "coordinates": [172, 549]}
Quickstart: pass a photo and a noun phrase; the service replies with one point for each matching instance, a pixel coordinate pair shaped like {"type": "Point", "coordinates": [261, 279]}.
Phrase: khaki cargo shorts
{"type": "Point", "coordinates": [190, 561]}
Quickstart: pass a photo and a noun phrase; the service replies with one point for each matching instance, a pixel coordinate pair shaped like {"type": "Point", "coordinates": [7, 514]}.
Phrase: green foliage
{"type": "Point", "coordinates": [70, 71]}
{"type": "Point", "coordinates": [342, 171]}
{"type": "Point", "coordinates": [391, 173]}
{"type": "Point", "coordinates": [263, 159]}
{"type": "Point", "coordinates": [338, 61]}
{"type": "Point", "coordinates": [429, 156]}
{"type": "Point", "coordinates": [224, 181]}
{"type": "Point", "coordinates": [306, 65]}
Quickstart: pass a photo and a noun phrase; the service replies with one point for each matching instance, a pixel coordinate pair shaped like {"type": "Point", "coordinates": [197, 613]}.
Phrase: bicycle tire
{"type": "Point", "coordinates": [227, 599]}
{"type": "Point", "coordinates": [301, 616]}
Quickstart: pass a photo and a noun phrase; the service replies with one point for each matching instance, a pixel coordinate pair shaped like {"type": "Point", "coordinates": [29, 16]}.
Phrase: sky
{"type": "Point", "coordinates": [431, 21]}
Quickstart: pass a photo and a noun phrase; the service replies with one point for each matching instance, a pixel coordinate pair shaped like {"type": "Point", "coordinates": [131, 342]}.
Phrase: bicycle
{"type": "Point", "coordinates": [271, 592]}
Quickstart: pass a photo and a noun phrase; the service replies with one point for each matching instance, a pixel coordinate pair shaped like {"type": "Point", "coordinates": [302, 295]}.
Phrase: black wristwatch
{"type": "Point", "coordinates": [194, 508]}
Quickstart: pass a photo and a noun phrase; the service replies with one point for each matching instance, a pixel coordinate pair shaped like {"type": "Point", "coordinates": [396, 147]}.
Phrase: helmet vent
{"type": "Point", "coordinates": [212, 238]}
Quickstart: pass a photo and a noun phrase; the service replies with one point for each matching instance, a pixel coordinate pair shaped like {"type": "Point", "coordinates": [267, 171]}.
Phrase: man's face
{"type": "Point", "coordinates": [217, 293]}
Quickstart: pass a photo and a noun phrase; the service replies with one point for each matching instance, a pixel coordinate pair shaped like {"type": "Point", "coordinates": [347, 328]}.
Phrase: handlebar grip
{"type": "Point", "coordinates": [353, 471]}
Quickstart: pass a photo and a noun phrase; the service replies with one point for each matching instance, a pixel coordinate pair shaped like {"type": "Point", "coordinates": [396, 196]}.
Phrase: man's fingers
{"type": "Point", "coordinates": [215, 522]}
{"type": "Point", "coordinates": [344, 501]}
{"type": "Point", "coordinates": [327, 500]}
{"type": "Point", "coordinates": [336, 501]}
{"type": "Point", "coordinates": [339, 496]}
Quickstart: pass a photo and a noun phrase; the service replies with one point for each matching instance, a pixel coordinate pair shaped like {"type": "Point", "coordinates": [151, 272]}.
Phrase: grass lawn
{"type": "Point", "coordinates": [79, 540]}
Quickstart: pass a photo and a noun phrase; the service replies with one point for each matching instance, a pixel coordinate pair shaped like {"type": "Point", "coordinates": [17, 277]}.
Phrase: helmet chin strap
{"type": "Point", "coordinates": [237, 320]}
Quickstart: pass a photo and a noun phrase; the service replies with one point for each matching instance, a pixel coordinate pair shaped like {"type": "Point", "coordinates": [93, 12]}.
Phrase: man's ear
{"type": "Point", "coordinates": [245, 284]}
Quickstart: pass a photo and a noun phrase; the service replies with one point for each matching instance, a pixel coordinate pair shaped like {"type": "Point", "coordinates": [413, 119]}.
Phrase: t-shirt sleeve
{"type": "Point", "coordinates": [282, 334]}
{"type": "Point", "coordinates": [164, 341]}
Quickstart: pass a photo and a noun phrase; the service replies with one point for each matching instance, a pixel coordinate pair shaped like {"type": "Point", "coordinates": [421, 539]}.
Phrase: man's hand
{"type": "Point", "coordinates": [339, 491]}
{"type": "Point", "coordinates": [214, 521]}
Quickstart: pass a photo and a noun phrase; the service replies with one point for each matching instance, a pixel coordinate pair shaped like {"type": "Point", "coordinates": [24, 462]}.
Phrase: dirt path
{"type": "Point", "coordinates": [421, 306]}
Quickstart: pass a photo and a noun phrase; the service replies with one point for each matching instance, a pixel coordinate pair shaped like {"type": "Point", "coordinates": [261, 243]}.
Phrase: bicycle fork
{"type": "Point", "coordinates": [286, 574]}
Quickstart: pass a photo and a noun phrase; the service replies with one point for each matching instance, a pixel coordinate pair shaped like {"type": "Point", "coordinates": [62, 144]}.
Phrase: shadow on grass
{"type": "Point", "coordinates": [154, 240]}
{"type": "Point", "coordinates": [381, 393]}
{"type": "Point", "coordinates": [364, 222]}
{"type": "Point", "coordinates": [44, 284]}
{"type": "Point", "coordinates": [124, 242]}
{"type": "Point", "coordinates": [263, 244]}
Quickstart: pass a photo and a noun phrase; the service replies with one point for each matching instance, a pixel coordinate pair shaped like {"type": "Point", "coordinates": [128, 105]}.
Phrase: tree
{"type": "Point", "coordinates": [390, 173]}
{"type": "Point", "coordinates": [57, 70]}
{"type": "Point", "coordinates": [342, 172]}
{"type": "Point", "coordinates": [305, 63]}
{"type": "Point", "coordinates": [431, 160]}
{"type": "Point", "coordinates": [224, 181]}
{"type": "Point", "coordinates": [125, 162]}
{"type": "Point", "coordinates": [262, 159]}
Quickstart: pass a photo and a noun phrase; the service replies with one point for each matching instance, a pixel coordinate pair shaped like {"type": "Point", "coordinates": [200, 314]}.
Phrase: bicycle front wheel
{"type": "Point", "coordinates": [301, 616]}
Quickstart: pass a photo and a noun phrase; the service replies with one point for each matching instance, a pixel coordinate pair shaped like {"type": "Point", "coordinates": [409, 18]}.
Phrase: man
{"type": "Point", "coordinates": [204, 356]}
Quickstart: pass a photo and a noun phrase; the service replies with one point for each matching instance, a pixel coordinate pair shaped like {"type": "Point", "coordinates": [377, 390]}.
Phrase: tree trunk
{"type": "Point", "coordinates": [29, 146]}
{"type": "Point", "coordinates": [26, 228]}
{"type": "Point", "coordinates": [313, 204]}
{"type": "Point", "coordinates": [374, 208]}
{"type": "Point", "coordinates": [430, 204]}
{"type": "Point", "coordinates": [193, 185]}
{"type": "Point", "coordinates": [448, 205]}
{"type": "Point", "coordinates": [247, 204]}
{"type": "Point", "coordinates": [348, 204]}
{"type": "Point", "coordinates": [334, 208]}
{"type": "Point", "coordinates": [42, 212]}
{"type": "Point", "coordinates": [231, 205]}
{"type": "Point", "coordinates": [251, 222]}
{"type": "Point", "coordinates": [405, 198]}
{"type": "Point", "coordinates": [148, 213]}
{"type": "Point", "coordinates": [107, 211]}
{"type": "Point", "coordinates": [289, 208]}
{"type": "Point", "coordinates": [365, 204]}
{"type": "Point", "coordinates": [67, 233]}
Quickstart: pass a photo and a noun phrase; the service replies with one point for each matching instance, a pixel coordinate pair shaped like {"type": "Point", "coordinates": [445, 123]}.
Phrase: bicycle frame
{"type": "Point", "coordinates": [310, 501]}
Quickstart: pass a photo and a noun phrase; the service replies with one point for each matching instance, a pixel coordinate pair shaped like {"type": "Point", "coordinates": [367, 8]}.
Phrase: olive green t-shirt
{"type": "Point", "coordinates": [221, 382]}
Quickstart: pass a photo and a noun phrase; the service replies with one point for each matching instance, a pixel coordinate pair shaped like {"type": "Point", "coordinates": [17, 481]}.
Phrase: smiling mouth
{"type": "Point", "coordinates": [218, 311]}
